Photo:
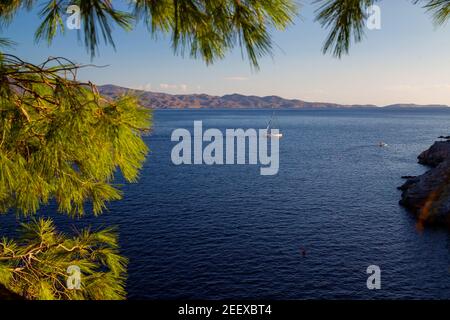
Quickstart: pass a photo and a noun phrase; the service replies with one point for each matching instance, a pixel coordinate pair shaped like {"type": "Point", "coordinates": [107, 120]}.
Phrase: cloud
{"type": "Point", "coordinates": [168, 86]}
{"type": "Point", "coordinates": [236, 78]}
{"type": "Point", "coordinates": [144, 87]}
{"type": "Point", "coordinates": [174, 87]}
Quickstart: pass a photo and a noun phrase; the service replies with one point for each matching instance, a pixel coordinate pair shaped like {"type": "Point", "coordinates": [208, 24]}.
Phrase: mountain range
{"type": "Point", "coordinates": [158, 100]}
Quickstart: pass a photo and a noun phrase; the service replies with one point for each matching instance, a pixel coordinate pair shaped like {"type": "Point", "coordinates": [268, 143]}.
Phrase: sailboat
{"type": "Point", "coordinates": [273, 122]}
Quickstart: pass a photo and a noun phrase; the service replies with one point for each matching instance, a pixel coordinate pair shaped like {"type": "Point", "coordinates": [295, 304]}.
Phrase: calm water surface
{"type": "Point", "coordinates": [227, 232]}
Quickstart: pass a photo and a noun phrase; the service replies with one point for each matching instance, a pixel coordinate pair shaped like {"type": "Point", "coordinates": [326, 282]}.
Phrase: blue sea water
{"type": "Point", "coordinates": [215, 232]}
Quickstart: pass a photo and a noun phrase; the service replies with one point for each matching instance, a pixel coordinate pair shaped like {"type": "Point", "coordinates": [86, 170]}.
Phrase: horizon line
{"type": "Point", "coordinates": [366, 105]}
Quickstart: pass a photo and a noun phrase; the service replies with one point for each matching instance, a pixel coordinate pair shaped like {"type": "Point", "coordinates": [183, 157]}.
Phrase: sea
{"type": "Point", "coordinates": [309, 232]}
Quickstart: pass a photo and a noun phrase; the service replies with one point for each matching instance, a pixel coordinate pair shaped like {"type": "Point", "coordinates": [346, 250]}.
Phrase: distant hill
{"type": "Point", "coordinates": [157, 100]}
{"type": "Point", "coordinates": [413, 106]}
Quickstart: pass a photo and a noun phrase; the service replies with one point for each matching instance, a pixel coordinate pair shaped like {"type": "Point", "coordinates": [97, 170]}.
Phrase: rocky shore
{"type": "Point", "coordinates": [428, 196]}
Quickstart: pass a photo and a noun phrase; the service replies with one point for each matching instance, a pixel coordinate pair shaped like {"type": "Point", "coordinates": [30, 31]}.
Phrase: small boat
{"type": "Point", "coordinates": [381, 144]}
{"type": "Point", "coordinates": [273, 121]}
{"type": "Point", "coordinates": [275, 135]}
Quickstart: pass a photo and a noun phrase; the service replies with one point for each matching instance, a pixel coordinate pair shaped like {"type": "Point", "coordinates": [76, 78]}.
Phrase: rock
{"type": "Point", "coordinates": [408, 177]}
{"type": "Point", "coordinates": [444, 137]}
{"type": "Point", "coordinates": [410, 181]}
{"type": "Point", "coordinates": [428, 196]}
{"type": "Point", "coordinates": [438, 152]}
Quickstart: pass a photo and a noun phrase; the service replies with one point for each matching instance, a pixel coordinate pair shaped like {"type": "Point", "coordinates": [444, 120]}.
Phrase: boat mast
{"type": "Point", "coordinates": [268, 126]}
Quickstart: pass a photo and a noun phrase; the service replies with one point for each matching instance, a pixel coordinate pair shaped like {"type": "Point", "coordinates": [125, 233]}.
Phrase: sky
{"type": "Point", "coordinates": [406, 61]}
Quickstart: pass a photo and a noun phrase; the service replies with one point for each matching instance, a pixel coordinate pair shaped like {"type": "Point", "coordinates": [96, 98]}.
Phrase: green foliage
{"type": "Point", "coordinates": [60, 139]}
{"type": "Point", "coordinates": [203, 28]}
{"type": "Point", "coordinates": [440, 10]}
{"type": "Point", "coordinates": [94, 14]}
{"type": "Point", "coordinates": [6, 42]}
{"type": "Point", "coordinates": [36, 266]}
{"type": "Point", "coordinates": [8, 8]}
{"type": "Point", "coordinates": [210, 29]}
{"type": "Point", "coordinates": [346, 19]}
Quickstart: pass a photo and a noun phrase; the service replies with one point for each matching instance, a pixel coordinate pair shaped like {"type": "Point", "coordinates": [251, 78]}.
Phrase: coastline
{"type": "Point", "coordinates": [234, 101]}
{"type": "Point", "coordinates": [427, 196]}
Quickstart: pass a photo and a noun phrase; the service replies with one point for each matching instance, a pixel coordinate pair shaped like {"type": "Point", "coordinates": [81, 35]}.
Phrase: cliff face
{"type": "Point", "coordinates": [428, 196]}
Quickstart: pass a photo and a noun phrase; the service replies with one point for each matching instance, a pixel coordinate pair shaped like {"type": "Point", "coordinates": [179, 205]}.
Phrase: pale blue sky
{"type": "Point", "coordinates": [408, 60]}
